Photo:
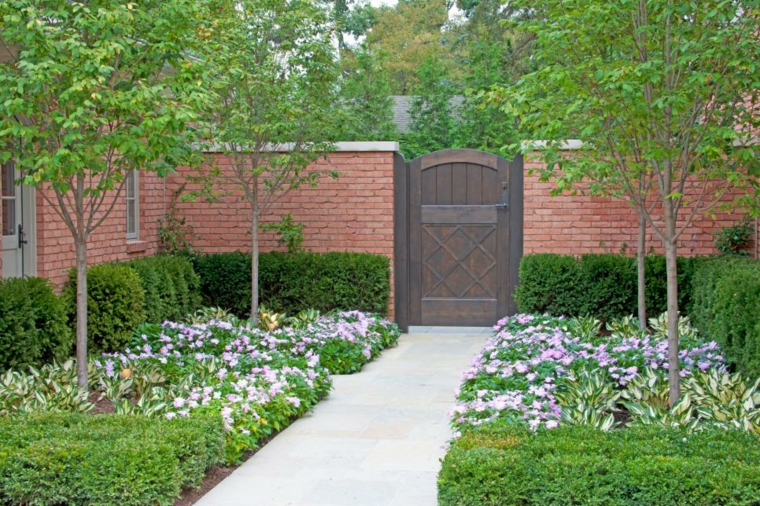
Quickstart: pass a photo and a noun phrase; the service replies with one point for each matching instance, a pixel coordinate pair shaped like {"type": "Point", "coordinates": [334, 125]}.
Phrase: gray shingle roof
{"type": "Point", "coordinates": [402, 104]}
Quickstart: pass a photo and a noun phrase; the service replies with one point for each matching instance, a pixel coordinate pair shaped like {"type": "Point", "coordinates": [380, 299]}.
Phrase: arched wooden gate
{"type": "Point", "coordinates": [459, 233]}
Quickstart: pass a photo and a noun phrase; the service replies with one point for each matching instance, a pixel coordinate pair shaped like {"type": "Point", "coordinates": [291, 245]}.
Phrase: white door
{"type": "Point", "coordinates": [19, 256]}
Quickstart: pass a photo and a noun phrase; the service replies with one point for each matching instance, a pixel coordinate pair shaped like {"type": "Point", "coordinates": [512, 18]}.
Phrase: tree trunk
{"type": "Point", "coordinates": [81, 266]}
{"type": "Point", "coordinates": [255, 262]}
{"type": "Point", "coordinates": [641, 269]}
{"type": "Point", "coordinates": [671, 268]}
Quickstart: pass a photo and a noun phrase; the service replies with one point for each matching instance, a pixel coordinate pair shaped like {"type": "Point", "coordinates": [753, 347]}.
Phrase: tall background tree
{"type": "Point", "coordinates": [95, 90]}
{"type": "Point", "coordinates": [663, 95]}
{"type": "Point", "coordinates": [365, 104]}
{"type": "Point", "coordinates": [273, 68]}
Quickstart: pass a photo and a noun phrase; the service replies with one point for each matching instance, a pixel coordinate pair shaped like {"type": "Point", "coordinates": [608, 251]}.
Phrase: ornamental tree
{"type": "Point", "coordinates": [273, 68]}
{"type": "Point", "coordinates": [663, 95]}
{"type": "Point", "coordinates": [93, 91]}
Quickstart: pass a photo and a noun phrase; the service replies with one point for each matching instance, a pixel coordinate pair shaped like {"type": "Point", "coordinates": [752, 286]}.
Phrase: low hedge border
{"type": "Point", "coordinates": [292, 282]}
{"type": "Point", "coordinates": [497, 465]}
{"type": "Point", "coordinates": [601, 285]}
{"type": "Point", "coordinates": [67, 458]}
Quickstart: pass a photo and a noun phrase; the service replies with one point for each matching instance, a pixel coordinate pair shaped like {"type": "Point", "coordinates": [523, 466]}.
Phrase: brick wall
{"type": "Point", "coordinates": [578, 224]}
{"type": "Point", "coordinates": [55, 246]}
{"type": "Point", "coordinates": [351, 213]}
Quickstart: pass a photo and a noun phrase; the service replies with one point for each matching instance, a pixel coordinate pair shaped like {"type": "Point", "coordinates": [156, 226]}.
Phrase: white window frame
{"type": "Point", "coordinates": [133, 177]}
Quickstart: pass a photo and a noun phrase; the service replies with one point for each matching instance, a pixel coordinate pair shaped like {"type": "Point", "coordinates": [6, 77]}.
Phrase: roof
{"type": "Point", "coordinates": [402, 104]}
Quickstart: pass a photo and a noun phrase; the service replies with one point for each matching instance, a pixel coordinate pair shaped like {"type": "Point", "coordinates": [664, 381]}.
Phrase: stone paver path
{"type": "Point", "coordinates": [375, 441]}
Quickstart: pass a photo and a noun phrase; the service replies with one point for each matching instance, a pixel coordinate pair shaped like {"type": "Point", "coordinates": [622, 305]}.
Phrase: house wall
{"type": "Point", "coordinates": [55, 246]}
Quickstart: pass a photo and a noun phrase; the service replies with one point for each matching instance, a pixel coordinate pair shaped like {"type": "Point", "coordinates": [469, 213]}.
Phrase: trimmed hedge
{"type": "Point", "coordinates": [582, 465]}
{"type": "Point", "coordinates": [290, 283]}
{"type": "Point", "coordinates": [33, 328]}
{"type": "Point", "coordinates": [115, 305]}
{"type": "Point", "coordinates": [602, 285]}
{"type": "Point", "coordinates": [171, 286]}
{"type": "Point", "coordinates": [725, 307]}
{"type": "Point", "coordinates": [70, 458]}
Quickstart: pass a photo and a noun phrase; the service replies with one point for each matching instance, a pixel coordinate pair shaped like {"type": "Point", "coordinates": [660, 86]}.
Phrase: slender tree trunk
{"type": "Point", "coordinates": [641, 268]}
{"type": "Point", "coordinates": [81, 328]}
{"type": "Point", "coordinates": [671, 268]}
{"type": "Point", "coordinates": [255, 260]}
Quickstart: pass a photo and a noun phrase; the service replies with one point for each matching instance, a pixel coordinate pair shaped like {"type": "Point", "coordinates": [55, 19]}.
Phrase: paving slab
{"type": "Point", "coordinates": [377, 440]}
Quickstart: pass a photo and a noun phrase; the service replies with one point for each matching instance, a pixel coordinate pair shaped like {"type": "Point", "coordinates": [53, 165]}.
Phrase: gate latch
{"type": "Point", "coordinates": [504, 202]}
{"type": "Point", "coordinates": [21, 236]}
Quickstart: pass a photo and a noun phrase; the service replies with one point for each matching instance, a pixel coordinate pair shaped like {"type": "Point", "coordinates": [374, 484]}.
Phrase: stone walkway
{"type": "Point", "coordinates": [376, 440]}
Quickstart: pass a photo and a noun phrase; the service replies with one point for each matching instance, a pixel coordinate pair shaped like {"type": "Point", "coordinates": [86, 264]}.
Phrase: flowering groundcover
{"type": "Point", "coordinates": [248, 382]}
{"type": "Point", "coordinates": [531, 406]}
{"type": "Point", "coordinates": [520, 371]}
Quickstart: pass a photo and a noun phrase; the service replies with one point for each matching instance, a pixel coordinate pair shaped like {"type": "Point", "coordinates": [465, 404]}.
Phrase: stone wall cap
{"type": "Point", "coordinates": [338, 147]}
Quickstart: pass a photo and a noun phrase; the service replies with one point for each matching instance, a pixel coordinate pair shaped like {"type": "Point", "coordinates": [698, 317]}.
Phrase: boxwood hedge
{"type": "Point", "coordinates": [602, 285]}
{"type": "Point", "coordinates": [33, 329]}
{"type": "Point", "coordinates": [68, 458]}
{"type": "Point", "coordinates": [291, 282]}
{"type": "Point", "coordinates": [582, 465]}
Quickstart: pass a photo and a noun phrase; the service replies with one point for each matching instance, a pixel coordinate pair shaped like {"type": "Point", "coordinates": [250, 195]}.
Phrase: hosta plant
{"type": "Point", "coordinates": [680, 415]}
{"type": "Point", "coordinates": [588, 399]}
{"type": "Point", "coordinates": [726, 400]}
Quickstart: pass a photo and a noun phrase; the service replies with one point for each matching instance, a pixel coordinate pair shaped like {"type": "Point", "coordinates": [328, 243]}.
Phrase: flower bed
{"type": "Point", "coordinates": [529, 368]}
{"type": "Point", "coordinates": [531, 406]}
{"type": "Point", "coordinates": [253, 383]}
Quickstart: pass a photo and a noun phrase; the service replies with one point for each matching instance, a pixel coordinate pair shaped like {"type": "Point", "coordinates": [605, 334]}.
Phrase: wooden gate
{"type": "Point", "coordinates": [458, 222]}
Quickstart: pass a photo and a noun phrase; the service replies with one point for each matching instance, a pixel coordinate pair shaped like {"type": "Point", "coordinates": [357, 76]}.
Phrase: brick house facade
{"type": "Point", "coordinates": [351, 213]}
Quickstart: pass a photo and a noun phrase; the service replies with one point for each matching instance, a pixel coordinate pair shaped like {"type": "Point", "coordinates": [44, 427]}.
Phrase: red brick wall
{"type": "Point", "coordinates": [578, 224]}
{"type": "Point", "coordinates": [55, 246]}
{"type": "Point", "coordinates": [351, 213]}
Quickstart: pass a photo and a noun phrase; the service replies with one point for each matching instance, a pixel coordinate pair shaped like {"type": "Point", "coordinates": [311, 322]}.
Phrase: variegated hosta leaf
{"type": "Point", "coordinates": [659, 326]}
{"type": "Point", "coordinates": [649, 387]}
{"type": "Point", "coordinates": [628, 326]}
{"type": "Point", "coordinates": [725, 400]}
{"type": "Point", "coordinates": [585, 327]}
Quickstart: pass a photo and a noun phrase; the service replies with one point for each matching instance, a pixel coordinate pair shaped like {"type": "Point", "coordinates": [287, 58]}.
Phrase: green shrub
{"type": "Point", "coordinates": [608, 286]}
{"type": "Point", "coordinates": [115, 305]}
{"type": "Point", "coordinates": [601, 285]}
{"type": "Point", "coordinates": [549, 284]}
{"type": "Point", "coordinates": [657, 286]}
{"type": "Point", "coordinates": [725, 306]}
{"type": "Point", "coordinates": [171, 286]}
{"type": "Point", "coordinates": [291, 283]}
{"type": "Point", "coordinates": [33, 328]}
{"type": "Point", "coordinates": [582, 465]}
{"type": "Point", "coordinates": [104, 459]}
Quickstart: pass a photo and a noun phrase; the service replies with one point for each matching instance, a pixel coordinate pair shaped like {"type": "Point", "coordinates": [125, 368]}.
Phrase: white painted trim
{"type": "Point", "coordinates": [338, 147]}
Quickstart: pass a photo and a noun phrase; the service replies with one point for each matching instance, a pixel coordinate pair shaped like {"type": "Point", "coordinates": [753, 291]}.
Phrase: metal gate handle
{"type": "Point", "coordinates": [504, 202]}
{"type": "Point", "coordinates": [21, 236]}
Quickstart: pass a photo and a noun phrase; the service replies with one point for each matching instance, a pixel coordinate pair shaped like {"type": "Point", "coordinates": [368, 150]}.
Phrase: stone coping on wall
{"type": "Point", "coordinates": [338, 147]}
{"type": "Point", "coordinates": [574, 144]}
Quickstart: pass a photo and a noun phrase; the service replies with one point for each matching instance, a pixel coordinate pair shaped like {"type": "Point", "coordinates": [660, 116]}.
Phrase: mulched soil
{"type": "Point", "coordinates": [213, 477]}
